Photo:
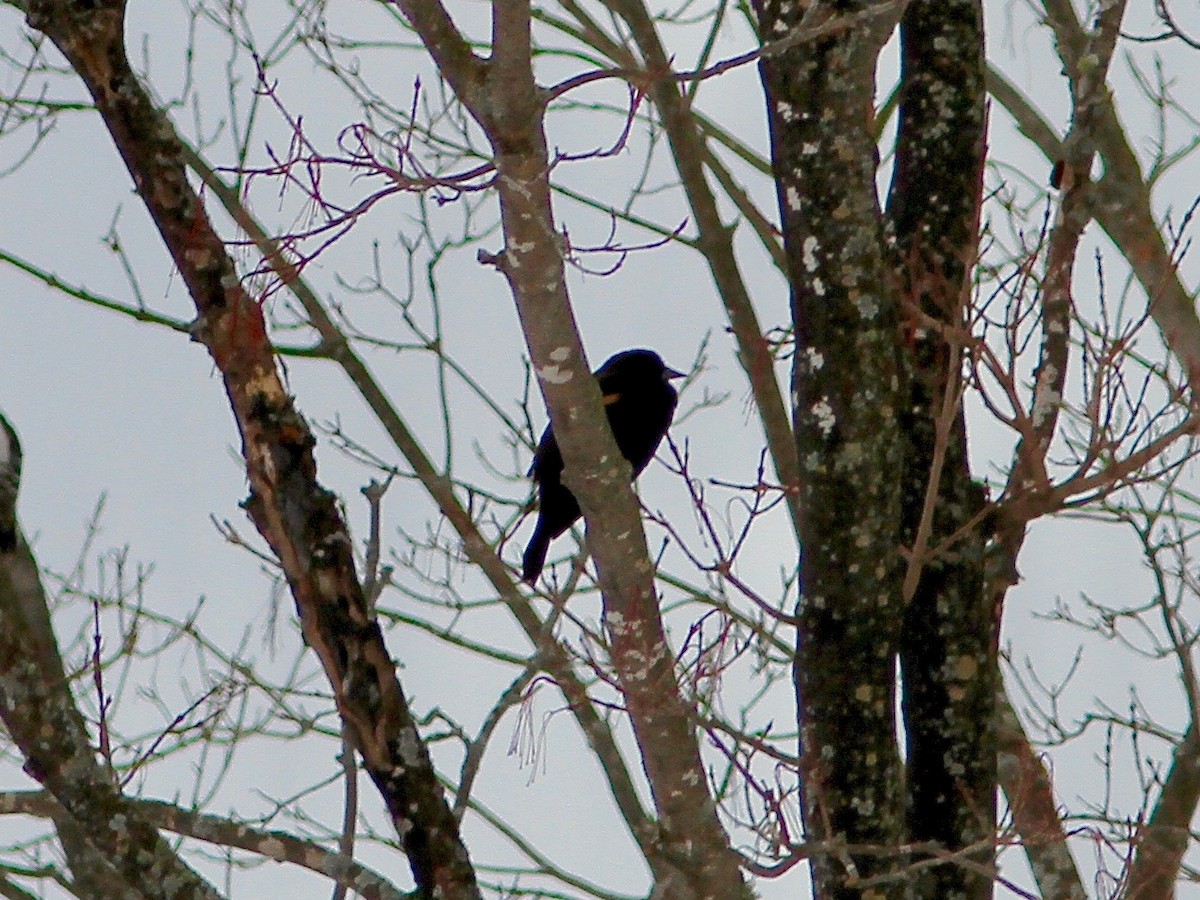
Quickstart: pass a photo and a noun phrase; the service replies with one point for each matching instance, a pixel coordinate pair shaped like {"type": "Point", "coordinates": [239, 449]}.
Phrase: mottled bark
{"type": "Point", "coordinates": [847, 396]}
{"type": "Point", "coordinates": [294, 513]}
{"type": "Point", "coordinates": [951, 631]}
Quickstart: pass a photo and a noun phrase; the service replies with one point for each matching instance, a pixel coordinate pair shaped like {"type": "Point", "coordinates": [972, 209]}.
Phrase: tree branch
{"type": "Point", "coordinates": [1026, 784]}
{"type": "Point", "coordinates": [715, 242]}
{"type": "Point", "coordinates": [279, 846]}
{"type": "Point", "coordinates": [110, 846]}
{"type": "Point", "coordinates": [294, 513]}
{"type": "Point", "coordinates": [694, 852]}
{"type": "Point", "coordinates": [553, 657]}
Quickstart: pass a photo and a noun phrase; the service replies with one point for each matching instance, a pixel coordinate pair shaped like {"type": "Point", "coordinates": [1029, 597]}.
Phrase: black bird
{"type": "Point", "coordinates": [640, 401]}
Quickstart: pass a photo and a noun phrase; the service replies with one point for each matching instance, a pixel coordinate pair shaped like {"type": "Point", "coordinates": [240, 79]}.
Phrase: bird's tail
{"type": "Point", "coordinates": [535, 554]}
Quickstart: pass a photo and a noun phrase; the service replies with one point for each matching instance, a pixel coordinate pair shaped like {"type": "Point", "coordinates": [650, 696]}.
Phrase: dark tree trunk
{"type": "Point", "coordinates": [847, 394]}
{"type": "Point", "coordinates": [948, 648]}
{"type": "Point", "coordinates": [880, 328]}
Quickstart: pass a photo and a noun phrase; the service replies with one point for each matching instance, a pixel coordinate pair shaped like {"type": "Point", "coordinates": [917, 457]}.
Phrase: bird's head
{"type": "Point", "coordinates": [639, 366]}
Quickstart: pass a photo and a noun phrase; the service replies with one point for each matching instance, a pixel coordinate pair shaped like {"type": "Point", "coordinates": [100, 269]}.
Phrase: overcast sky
{"type": "Point", "coordinates": [134, 413]}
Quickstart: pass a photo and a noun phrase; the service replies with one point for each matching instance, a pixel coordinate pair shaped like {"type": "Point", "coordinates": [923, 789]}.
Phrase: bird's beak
{"type": "Point", "coordinates": [671, 374]}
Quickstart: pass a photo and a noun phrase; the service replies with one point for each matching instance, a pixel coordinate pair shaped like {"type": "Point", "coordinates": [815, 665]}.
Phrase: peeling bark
{"type": "Point", "coordinates": [298, 518]}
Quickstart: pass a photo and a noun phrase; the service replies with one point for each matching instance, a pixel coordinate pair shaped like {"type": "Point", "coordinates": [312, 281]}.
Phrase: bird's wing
{"type": "Point", "coordinates": [546, 445]}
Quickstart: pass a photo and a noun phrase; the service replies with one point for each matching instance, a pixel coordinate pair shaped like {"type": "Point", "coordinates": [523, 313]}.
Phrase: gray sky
{"type": "Point", "coordinates": [106, 407]}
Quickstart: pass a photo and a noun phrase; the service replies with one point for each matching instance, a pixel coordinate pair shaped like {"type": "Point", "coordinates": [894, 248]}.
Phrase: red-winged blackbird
{"type": "Point", "coordinates": [640, 401]}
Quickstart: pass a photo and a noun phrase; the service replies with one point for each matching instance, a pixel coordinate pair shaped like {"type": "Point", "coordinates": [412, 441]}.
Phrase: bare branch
{"type": "Point", "coordinates": [297, 517]}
